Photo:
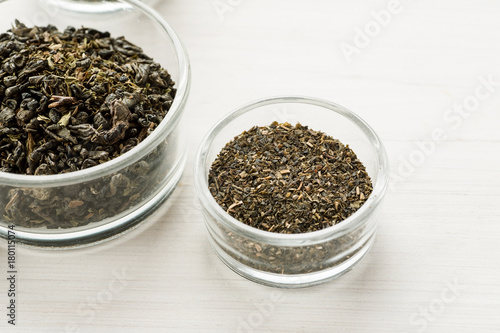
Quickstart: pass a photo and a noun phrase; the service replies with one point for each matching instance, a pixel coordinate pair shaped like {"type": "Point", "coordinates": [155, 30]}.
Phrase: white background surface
{"type": "Point", "coordinates": [435, 265]}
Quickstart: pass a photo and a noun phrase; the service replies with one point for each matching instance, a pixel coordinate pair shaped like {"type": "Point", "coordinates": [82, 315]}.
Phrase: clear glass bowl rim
{"type": "Point", "coordinates": [168, 124]}
{"type": "Point", "coordinates": [346, 226]}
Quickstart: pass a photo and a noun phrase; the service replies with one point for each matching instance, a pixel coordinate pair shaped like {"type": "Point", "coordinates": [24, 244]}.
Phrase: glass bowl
{"type": "Point", "coordinates": [293, 260]}
{"type": "Point", "coordinates": [100, 202]}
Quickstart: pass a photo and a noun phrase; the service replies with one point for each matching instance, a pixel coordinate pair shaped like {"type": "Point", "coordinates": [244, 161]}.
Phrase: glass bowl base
{"type": "Point", "coordinates": [105, 232]}
{"type": "Point", "coordinates": [295, 280]}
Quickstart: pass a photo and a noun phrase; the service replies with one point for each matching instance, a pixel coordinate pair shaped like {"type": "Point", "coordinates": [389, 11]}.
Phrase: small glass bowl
{"type": "Point", "coordinates": [293, 260]}
{"type": "Point", "coordinates": [100, 202]}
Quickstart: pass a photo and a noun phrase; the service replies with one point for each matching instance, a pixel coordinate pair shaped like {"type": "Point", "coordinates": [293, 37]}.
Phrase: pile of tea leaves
{"type": "Point", "coordinates": [73, 99]}
{"type": "Point", "coordinates": [288, 179]}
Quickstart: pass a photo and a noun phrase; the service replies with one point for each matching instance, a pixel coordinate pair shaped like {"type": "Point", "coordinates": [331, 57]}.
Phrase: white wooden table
{"type": "Point", "coordinates": [425, 76]}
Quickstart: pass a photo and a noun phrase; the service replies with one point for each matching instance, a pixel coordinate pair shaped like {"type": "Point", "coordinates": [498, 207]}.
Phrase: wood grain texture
{"type": "Point", "coordinates": [435, 264]}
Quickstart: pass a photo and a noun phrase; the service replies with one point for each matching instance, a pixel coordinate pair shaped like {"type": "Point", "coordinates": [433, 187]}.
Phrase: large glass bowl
{"type": "Point", "coordinates": [102, 201]}
{"type": "Point", "coordinates": [293, 260]}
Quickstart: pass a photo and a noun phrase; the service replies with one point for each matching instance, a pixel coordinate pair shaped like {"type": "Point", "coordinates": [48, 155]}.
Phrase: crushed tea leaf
{"type": "Point", "coordinates": [288, 179]}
